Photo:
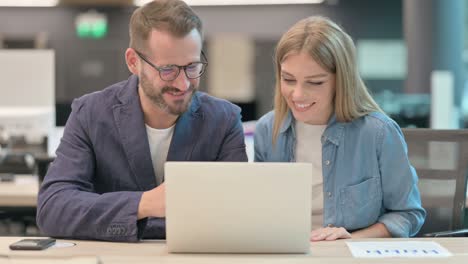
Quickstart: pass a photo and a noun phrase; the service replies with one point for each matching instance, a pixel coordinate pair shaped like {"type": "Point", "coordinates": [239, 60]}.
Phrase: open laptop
{"type": "Point", "coordinates": [238, 207]}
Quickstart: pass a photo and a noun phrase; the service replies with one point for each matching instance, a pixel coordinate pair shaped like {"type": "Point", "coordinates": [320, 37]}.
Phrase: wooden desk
{"type": "Point", "coordinates": [22, 192]}
{"type": "Point", "coordinates": [156, 252]}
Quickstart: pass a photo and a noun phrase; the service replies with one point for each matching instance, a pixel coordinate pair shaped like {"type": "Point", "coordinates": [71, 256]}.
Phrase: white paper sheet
{"type": "Point", "coordinates": [411, 249]}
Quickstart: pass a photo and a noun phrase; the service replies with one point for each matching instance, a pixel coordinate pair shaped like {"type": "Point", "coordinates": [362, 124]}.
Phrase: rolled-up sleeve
{"type": "Point", "coordinates": [404, 214]}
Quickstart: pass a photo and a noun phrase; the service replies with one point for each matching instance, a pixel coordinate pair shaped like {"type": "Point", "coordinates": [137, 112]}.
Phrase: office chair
{"type": "Point", "coordinates": [440, 158]}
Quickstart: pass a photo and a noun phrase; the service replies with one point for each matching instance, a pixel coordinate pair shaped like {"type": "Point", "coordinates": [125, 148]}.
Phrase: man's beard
{"type": "Point", "coordinates": [156, 97]}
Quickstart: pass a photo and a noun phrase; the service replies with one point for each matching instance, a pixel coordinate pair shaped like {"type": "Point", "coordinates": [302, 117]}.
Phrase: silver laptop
{"type": "Point", "coordinates": [238, 207]}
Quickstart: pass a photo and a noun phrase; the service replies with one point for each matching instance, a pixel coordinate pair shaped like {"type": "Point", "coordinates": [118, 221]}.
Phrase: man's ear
{"type": "Point", "coordinates": [131, 60]}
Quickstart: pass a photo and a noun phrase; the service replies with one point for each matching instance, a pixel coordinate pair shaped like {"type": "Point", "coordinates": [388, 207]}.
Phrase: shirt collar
{"type": "Point", "coordinates": [332, 133]}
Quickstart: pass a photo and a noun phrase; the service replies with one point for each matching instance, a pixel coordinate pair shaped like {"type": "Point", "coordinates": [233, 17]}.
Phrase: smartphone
{"type": "Point", "coordinates": [33, 244]}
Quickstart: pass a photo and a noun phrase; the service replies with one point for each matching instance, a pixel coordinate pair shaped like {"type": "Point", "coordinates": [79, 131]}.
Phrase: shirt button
{"type": "Point", "coordinates": [327, 162]}
{"type": "Point", "coordinates": [329, 194]}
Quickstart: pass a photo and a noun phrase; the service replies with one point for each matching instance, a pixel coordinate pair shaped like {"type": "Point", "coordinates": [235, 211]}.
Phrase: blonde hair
{"type": "Point", "coordinates": [334, 50]}
{"type": "Point", "coordinates": [173, 16]}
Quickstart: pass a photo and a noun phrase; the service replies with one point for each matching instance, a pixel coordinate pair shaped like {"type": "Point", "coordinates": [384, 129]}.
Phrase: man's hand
{"type": "Point", "coordinates": [329, 233]}
{"type": "Point", "coordinates": [153, 203]}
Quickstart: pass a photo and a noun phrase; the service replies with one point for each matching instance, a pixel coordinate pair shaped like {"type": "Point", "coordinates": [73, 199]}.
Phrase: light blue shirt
{"type": "Point", "coordinates": [367, 177]}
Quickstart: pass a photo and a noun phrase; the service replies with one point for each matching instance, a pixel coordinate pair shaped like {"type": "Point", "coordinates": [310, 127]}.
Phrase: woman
{"type": "Point", "coordinates": [363, 183]}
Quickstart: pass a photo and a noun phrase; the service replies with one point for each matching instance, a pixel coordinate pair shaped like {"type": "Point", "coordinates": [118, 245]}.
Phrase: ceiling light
{"type": "Point", "coordinates": [239, 2]}
{"type": "Point", "coordinates": [28, 2]}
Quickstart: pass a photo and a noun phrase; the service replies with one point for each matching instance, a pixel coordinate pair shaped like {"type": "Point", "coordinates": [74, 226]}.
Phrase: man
{"type": "Point", "coordinates": [107, 180]}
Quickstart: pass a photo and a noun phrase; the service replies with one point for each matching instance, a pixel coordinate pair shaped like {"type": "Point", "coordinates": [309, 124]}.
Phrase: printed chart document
{"type": "Point", "coordinates": [406, 249]}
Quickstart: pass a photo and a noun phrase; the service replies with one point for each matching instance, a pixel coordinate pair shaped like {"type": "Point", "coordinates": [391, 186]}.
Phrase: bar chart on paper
{"type": "Point", "coordinates": [406, 249]}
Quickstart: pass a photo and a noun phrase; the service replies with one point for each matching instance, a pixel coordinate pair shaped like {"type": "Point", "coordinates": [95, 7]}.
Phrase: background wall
{"type": "Point", "coordinates": [83, 66]}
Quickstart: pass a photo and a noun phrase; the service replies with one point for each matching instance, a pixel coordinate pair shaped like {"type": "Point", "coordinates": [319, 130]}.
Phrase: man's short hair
{"type": "Point", "coordinates": [172, 16]}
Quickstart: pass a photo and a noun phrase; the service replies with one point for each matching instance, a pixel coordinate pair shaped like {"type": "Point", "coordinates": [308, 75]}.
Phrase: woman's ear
{"type": "Point", "coordinates": [131, 60]}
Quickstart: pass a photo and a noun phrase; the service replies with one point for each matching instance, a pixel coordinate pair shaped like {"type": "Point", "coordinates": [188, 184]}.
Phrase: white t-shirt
{"type": "Point", "coordinates": [309, 149]}
{"type": "Point", "coordinates": [159, 142]}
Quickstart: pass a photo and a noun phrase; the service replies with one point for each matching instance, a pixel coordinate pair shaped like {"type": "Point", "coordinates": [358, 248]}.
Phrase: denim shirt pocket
{"type": "Point", "coordinates": [361, 204]}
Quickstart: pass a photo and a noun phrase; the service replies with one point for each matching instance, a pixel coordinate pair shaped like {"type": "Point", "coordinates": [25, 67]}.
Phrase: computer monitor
{"type": "Point", "coordinates": [27, 101]}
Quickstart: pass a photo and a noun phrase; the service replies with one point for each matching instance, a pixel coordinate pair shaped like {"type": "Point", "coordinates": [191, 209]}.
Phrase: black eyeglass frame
{"type": "Point", "coordinates": [204, 63]}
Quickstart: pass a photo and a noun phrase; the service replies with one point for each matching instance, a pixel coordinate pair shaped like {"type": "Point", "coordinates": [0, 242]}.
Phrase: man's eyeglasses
{"type": "Point", "coordinates": [170, 72]}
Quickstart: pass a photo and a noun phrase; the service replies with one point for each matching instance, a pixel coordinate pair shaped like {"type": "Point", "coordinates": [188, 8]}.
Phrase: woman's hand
{"type": "Point", "coordinates": [329, 233]}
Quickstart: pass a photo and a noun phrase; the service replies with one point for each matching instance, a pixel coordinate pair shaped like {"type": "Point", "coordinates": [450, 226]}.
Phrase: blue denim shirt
{"type": "Point", "coordinates": [367, 177]}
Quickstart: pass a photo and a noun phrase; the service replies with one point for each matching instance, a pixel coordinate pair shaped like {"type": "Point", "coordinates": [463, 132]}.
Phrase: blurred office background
{"type": "Point", "coordinates": [413, 55]}
{"type": "Point", "coordinates": [400, 45]}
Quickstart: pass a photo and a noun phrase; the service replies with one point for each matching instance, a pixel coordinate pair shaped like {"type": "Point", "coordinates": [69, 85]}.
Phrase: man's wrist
{"type": "Point", "coordinates": [142, 211]}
